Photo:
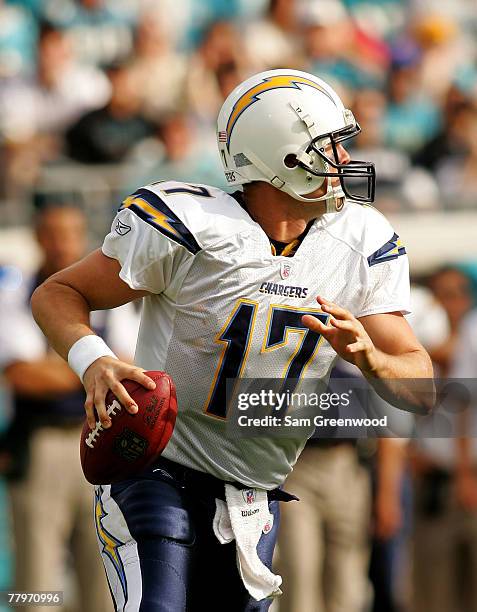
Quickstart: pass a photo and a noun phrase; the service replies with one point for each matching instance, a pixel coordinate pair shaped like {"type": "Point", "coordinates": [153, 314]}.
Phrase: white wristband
{"type": "Point", "coordinates": [86, 350]}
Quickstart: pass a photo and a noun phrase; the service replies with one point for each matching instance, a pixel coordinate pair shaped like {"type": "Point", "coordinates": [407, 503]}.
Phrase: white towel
{"type": "Point", "coordinates": [245, 517]}
{"type": "Point", "coordinates": [221, 523]}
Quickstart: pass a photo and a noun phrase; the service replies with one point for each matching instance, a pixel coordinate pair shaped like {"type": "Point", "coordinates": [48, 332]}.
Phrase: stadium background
{"type": "Point", "coordinates": [98, 97]}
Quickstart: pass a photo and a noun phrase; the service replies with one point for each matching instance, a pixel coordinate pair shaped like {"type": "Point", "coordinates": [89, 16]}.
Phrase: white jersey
{"type": "Point", "coordinates": [223, 306]}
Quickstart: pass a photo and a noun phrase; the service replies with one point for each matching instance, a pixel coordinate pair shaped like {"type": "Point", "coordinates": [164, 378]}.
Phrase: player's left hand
{"type": "Point", "coordinates": [346, 335]}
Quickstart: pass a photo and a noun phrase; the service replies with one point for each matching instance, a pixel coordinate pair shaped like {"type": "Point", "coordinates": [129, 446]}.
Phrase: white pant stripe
{"type": "Point", "coordinates": [118, 550]}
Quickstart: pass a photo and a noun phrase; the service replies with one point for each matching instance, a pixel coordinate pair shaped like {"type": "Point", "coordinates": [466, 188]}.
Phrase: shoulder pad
{"type": "Point", "coordinates": [367, 231]}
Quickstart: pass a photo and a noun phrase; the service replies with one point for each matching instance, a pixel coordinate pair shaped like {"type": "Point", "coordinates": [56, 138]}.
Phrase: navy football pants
{"type": "Point", "coordinates": [181, 564]}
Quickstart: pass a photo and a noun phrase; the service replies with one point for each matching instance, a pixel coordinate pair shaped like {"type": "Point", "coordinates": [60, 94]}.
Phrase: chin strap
{"type": "Point", "coordinates": [334, 197]}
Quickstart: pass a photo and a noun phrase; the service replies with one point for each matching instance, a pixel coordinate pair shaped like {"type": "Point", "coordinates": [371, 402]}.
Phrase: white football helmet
{"type": "Point", "coordinates": [283, 126]}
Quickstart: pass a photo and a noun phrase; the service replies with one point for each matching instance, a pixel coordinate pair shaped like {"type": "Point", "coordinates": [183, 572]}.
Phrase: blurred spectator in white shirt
{"type": "Point", "coordinates": [273, 41]}
{"type": "Point", "coordinates": [36, 111]}
{"type": "Point", "coordinates": [221, 46]}
{"type": "Point", "coordinates": [61, 91]}
{"type": "Point", "coordinates": [51, 502]}
{"type": "Point", "coordinates": [159, 70]}
{"type": "Point", "coordinates": [464, 364]}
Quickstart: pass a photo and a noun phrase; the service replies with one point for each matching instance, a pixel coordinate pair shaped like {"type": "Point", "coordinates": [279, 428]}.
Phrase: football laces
{"type": "Point", "coordinates": [94, 433]}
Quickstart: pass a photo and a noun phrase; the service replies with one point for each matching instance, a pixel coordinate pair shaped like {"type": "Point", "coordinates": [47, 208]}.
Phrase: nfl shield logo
{"type": "Point", "coordinates": [285, 270]}
{"type": "Point", "coordinates": [249, 496]}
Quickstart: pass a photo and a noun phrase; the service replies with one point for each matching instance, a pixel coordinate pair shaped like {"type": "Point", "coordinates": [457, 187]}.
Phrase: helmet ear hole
{"type": "Point", "coordinates": [290, 161]}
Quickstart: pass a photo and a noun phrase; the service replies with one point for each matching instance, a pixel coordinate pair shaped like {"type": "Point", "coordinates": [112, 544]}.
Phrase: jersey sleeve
{"type": "Point", "coordinates": [386, 269]}
{"type": "Point", "coordinates": [153, 247]}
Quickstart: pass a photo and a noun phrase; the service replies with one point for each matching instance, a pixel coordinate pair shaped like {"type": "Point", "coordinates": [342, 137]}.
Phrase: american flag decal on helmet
{"type": "Point", "coordinates": [222, 136]}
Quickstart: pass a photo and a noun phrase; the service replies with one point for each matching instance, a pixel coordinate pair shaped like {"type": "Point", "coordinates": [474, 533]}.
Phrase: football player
{"type": "Point", "coordinates": [274, 280]}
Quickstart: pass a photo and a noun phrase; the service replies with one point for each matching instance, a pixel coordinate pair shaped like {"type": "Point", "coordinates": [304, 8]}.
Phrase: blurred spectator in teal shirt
{"type": "Point", "coordinates": [412, 118]}
{"type": "Point", "coordinates": [18, 35]}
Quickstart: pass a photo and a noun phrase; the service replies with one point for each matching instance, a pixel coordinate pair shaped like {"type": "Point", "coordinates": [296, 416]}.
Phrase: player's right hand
{"type": "Point", "coordinates": [104, 374]}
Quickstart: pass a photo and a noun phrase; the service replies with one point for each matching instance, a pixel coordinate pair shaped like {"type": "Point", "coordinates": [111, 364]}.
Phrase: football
{"type": "Point", "coordinates": [134, 440]}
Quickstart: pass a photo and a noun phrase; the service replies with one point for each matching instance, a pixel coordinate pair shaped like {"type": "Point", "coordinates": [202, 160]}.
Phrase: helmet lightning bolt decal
{"type": "Point", "coordinates": [274, 82]}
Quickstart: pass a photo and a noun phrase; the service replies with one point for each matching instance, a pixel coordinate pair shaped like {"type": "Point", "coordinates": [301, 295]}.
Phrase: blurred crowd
{"type": "Point", "coordinates": [390, 524]}
{"type": "Point", "coordinates": [98, 97]}
{"type": "Point", "coordinates": [136, 84]}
